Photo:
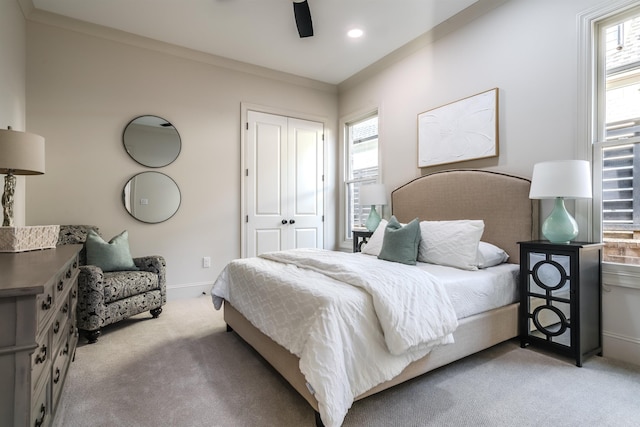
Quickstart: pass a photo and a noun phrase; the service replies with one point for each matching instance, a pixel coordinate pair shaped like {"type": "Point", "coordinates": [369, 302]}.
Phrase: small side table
{"type": "Point", "coordinates": [560, 298]}
{"type": "Point", "coordinates": [360, 237]}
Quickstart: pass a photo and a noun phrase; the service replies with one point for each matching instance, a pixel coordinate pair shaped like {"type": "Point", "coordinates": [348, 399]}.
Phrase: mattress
{"type": "Point", "coordinates": [477, 291]}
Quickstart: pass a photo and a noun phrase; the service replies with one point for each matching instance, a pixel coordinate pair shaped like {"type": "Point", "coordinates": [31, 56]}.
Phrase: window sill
{"type": "Point", "coordinates": [623, 275]}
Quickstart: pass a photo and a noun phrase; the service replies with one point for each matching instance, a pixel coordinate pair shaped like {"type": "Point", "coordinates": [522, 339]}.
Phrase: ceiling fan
{"type": "Point", "coordinates": [303, 18]}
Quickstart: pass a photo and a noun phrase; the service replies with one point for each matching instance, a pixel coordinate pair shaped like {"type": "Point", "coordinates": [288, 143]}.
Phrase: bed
{"type": "Point", "coordinates": [501, 201]}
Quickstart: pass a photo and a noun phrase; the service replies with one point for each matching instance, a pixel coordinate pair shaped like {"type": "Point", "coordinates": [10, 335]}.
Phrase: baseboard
{"type": "Point", "coordinates": [187, 290]}
{"type": "Point", "coordinates": [620, 347]}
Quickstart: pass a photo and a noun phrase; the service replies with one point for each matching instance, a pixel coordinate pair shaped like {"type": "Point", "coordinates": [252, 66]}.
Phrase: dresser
{"type": "Point", "coordinates": [38, 334]}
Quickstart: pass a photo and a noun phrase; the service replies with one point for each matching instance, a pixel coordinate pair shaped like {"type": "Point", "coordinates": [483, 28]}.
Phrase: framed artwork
{"type": "Point", "coordinates": [462, 130]}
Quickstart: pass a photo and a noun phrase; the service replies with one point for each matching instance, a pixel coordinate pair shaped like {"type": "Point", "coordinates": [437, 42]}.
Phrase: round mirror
{"type": "Point", "coordinates": [151, 141]}
{"type": "Point", "coordinates": [549, 275]}
{"type": "Point", "coordinates": [151, 197]}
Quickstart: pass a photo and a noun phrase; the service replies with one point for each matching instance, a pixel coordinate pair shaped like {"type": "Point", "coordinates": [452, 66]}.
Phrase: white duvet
{"type": "Point", "coordinates": [354, 321]}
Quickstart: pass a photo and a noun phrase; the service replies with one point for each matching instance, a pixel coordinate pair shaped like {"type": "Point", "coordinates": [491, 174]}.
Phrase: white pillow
{"type": "Point", "coordinates": [490, 255]}
{"type": "Point", "coordinates": [451, 243]}
{"type": "Point", "coordinates": [374, 244]}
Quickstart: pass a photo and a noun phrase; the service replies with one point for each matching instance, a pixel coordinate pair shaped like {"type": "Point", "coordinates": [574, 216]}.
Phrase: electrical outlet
{"type": "Point", "coordinates": [206, 262]}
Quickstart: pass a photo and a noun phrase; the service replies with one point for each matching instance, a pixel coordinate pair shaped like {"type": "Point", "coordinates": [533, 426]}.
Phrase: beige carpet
{"type": "Point", "coordinates": [184, 369]}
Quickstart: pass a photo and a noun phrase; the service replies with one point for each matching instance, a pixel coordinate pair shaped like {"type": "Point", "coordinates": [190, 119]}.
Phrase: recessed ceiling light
{"type": "Point", "coordinates": [355, 33]}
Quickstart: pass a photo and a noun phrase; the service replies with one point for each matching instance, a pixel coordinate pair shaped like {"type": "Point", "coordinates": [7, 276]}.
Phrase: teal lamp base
{"type": "Point", "coordinates": [373, 220]}
{"type": "Point", "coordinates": [560, 227]}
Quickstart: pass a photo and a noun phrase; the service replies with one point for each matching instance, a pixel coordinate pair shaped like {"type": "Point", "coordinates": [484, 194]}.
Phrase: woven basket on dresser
{"type": "Point", "coordinates": [21, 239]}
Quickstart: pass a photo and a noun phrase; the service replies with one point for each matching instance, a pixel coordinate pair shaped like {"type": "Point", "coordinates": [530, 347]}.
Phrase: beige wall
{"type": "Point", "coordinates": [527, 49]}
{"type": "Point", "coordinates": [12, 87]}
{"type": "Point", "coordinates": [82, 91]}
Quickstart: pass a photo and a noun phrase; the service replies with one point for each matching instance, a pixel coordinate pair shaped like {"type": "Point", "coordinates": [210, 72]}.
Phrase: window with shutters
{"type": "Point", "coordinates": [617, 149]}
{"type": "Point", "coordinates": [361, 168]}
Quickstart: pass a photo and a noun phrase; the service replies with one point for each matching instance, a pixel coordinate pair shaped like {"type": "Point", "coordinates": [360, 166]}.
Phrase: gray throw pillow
{"type": "Point", "coordinates": [112, 256]}
{"type": "Point", "coordinates": [400, 242]}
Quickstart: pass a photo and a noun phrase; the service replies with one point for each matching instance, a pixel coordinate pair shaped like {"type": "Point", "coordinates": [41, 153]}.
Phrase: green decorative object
{"type": "Point", "coordinates": [560, 227]}
{"type": "Point", "coordinates": [373, 219]}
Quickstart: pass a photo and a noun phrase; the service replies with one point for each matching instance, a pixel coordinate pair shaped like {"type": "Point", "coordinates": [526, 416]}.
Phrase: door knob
{"type": "Point", "coordinates": [292, 221]}
{"type": "Point", "coordinates": [284, 221]}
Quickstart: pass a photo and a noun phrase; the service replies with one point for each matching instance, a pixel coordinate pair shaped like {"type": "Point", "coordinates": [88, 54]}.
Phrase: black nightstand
{"type": "Point", "coordinates": [360, 237]}
{"type": "Point", "coordinates": [560, 299]}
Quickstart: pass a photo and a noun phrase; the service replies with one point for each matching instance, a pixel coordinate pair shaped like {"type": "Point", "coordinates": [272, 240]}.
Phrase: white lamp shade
{"type": "Point", "coordinates": [373, 194]}
{"type": "Point", "coordinates": [21, 153]}
{"type": "Point", "coordinates": [570, 179]}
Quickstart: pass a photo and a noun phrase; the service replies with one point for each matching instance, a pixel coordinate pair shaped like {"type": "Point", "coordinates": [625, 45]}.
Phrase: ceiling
{"type": "Point", "coordinates": [263, 32]}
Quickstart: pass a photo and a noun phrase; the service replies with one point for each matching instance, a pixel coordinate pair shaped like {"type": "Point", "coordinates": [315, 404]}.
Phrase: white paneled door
{"type": "Point", "coordinates": [283, 183]}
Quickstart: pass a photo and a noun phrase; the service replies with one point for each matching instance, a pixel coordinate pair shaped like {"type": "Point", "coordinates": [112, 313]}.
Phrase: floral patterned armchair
{"type": "Point", "coordinates": [108, 297]}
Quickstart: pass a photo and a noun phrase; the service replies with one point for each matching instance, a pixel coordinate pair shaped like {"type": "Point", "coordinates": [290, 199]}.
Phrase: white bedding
{"type": "Point", "coordinates": [473, 292]}
{"type": "Point", "coordinates": [336, 329]}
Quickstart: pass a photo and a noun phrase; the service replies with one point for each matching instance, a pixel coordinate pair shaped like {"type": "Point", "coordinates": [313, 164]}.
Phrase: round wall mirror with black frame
{"type": "Point", "coordinates": [152, 141]}
{"type": "Point", "coordinates": [151, 197]}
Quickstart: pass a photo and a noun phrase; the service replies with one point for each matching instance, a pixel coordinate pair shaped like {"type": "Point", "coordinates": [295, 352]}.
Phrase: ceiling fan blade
{"type": "Point", "coordinates": [303, 18]}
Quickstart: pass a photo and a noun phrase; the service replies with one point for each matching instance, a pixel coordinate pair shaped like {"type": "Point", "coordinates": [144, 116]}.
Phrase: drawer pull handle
{"type": "Point", "coordinates": [57, 377]}
{"type": "Point", "coordinates": [68, 274]}
{"type": "Point", "coordinates": [61, 285]}
{"type": "Point", "coordinates": [40, 420]}
{"type": "Point", "coordinates": [43, 354]}
{"type": "Point", "coordinates": [71, 329]}
{"type": "Point", "coordinates": [65, 309]}
{"type": "Point", "coordinates": [46, 305]}
{"type": "Point", "coordinates": [56, 327]}
{"type": "Point", "coordinates": [66, 349]}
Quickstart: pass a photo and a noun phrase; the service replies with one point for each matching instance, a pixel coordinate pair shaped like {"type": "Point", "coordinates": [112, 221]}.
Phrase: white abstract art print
{"type": "Point", "coordinates": [463, 130]}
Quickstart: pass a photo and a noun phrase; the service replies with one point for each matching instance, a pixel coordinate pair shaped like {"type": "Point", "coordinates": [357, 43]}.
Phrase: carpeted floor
{"type": "Point", "coordinates": [184, 369]}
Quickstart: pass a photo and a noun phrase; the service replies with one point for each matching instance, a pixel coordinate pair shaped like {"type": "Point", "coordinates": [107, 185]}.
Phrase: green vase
{"type": "Point", "coordinates": [373, 220]}
{"type": "Point", "coordinates": [560, 227]}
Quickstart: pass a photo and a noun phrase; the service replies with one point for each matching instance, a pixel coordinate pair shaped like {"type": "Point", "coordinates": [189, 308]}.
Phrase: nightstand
{"type": "Point", "coordinates": [560, 299]}
{"type": "Point", "coordinates": [360, 237]}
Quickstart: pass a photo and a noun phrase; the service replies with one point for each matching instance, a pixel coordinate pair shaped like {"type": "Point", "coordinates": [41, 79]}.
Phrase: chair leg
{"type": "Point", "coordinates": [92, 336]}
{"type": "Point", "coordinates": [156, 312]}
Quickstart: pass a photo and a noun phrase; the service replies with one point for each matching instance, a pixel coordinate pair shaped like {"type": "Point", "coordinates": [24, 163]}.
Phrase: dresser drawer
{"type": "Point", "coordinates": [45, 306]}
{"type": "Point", "coordinates": [40, 362]}
{"type": "Point", "coordinates": [60, 366]}
{"type": "Point", "coordinates": [40, 407]}
{"type": "Point", "coordinates": [66, 278]}
{"type": "Point", "coordinates": [60, 322]}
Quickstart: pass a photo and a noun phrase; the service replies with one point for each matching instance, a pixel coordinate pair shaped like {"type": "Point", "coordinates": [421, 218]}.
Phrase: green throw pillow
{"type": "Point", "coordinates": [400, 242]}
{"type": "Point", "coordinates": [112, 256]}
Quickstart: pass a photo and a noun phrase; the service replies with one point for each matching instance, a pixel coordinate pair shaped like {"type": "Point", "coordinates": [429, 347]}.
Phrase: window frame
{"type": "Point", "coordinates": [344, 242]}
{"type": "Point", "coordinates": [591, 91]}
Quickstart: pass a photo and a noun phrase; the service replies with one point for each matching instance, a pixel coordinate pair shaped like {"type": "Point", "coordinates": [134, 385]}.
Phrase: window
{"type": "Point", "coordinates": [361, 168]}
{"type": "Point", "coordinates": [617, 146]}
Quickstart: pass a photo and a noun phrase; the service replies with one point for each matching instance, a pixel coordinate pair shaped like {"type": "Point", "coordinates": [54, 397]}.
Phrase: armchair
{"type": "Point", "coordinates": [108, 297]}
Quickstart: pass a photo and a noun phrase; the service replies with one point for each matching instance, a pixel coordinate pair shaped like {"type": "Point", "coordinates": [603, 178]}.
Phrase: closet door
{"type": "Point", "coordinates": [283, 183]}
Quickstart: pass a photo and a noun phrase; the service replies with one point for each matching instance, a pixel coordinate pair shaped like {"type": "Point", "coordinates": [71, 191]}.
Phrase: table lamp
{"type": "Point", "coordinates": [559, 180]}
{"type": "Point", "coordinates": [373, 194]}
{"type": "Point", "coordinates": [21, 153]}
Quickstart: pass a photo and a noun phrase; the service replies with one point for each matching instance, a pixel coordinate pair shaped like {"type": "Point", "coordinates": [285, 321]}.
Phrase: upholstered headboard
{"type": "Point", "coordinates": [501, 200]}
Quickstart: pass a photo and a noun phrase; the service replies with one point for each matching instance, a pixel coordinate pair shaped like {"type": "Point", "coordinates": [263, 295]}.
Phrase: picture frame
{"type": "Point", "coordinates": [462, 130]}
